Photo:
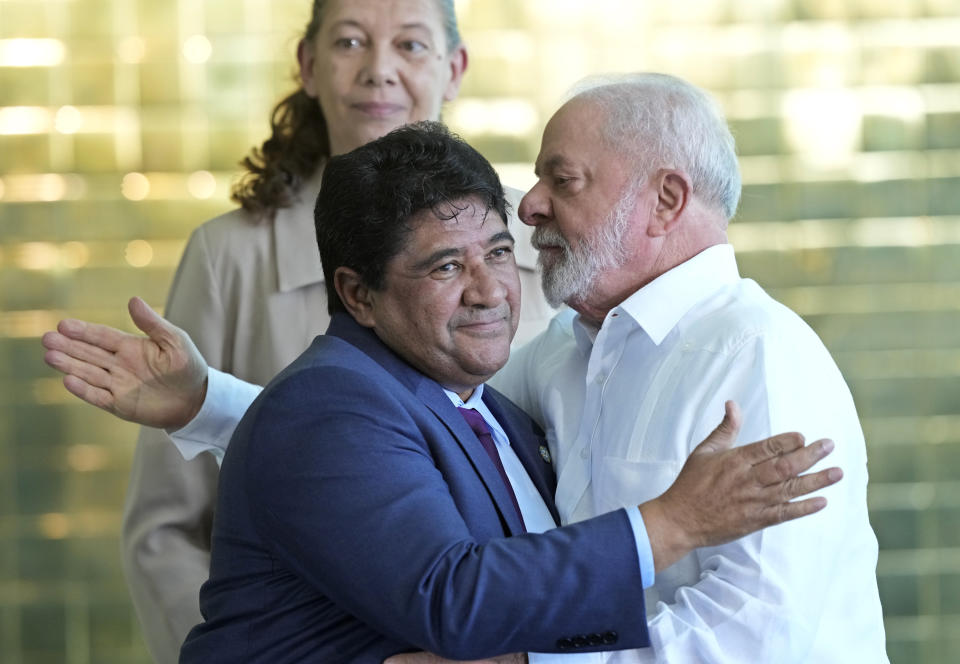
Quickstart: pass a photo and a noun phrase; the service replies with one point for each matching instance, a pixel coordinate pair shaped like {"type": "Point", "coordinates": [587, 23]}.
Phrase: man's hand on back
{"type": "Point", "coordinates": [722, 493]}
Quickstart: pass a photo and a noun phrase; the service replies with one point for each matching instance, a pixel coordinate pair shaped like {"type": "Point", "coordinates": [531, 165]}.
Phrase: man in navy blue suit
{"type": "Point", "coordinates": [363, 513]}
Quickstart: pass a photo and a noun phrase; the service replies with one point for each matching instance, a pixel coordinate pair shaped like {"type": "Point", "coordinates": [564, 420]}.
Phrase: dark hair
{"type": "Point", "coordinates": [369, 197]}
{"type": "Point", "coordinates": [298, 140]}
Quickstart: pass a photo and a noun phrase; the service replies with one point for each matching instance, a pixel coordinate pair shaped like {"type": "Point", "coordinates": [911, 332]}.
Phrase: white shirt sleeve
{"type": "Point", "coordinates": [210, 430]}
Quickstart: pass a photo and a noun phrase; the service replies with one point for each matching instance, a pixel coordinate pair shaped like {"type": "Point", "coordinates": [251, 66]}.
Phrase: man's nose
{"type": "Point", "coordinates": [534, 207]}
{"type": "Point", "coordinates": [379, 66]}
{"type": "Point", "coordinates": [485, 288]}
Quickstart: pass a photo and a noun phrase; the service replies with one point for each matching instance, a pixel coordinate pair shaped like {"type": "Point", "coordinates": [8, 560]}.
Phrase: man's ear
{"type": "Point", "coordinates": [458, 66]}
{"type": "Point", "coordinates": [306, 58]}
{"type": "Point", "coordinates": [673, 193]}
{"type": "Point", "coordinates": [356, 297]}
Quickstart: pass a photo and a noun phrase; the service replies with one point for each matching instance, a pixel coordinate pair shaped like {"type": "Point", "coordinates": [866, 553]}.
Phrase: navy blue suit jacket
{"type": "Point", "coordinates": [358, 516]}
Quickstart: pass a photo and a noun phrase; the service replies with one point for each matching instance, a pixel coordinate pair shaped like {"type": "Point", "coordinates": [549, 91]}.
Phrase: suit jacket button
{"type": "Point", "coordinates": [564, 644]}
{"type": "Point", "coordinates": [595, 639]}
{"type": "Point", "coordinates": [579, 641]}
{"type": "Point", "coordinates": [609, 638]}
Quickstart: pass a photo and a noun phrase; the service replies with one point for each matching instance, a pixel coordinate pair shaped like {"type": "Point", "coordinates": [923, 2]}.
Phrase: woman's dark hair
{"type": "Point", "coordinates": [298, 140]}
{"type": "Point", "coordinates": [370, 197]}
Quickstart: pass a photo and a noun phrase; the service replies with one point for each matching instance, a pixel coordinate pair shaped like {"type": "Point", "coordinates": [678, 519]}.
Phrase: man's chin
{"type": "Point", "coordinates": [555, 294]}
{"type": "Point", "coordinates": [554, 299]}
{"type": "Point", "coordinates": [565, 284]}
{"type": "Point", "coordinates": [550, 259]}
{"type": "Point", "coordinates": [484, 371]}
{"type": "Point", "coordinates": [485, 361]}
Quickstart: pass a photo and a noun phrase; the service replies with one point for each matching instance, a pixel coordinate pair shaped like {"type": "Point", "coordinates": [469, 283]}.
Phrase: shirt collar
{"type": "Point", "coordinates": [295, 239]}
{"type": "Point", "coordinates": [475, 398]}
{"type": "Point", "coordinates": [659, 306]}
{"type": "Point", "coordinates": [476, 403]}
{"type": "Point", "coordinates": [584, 333]}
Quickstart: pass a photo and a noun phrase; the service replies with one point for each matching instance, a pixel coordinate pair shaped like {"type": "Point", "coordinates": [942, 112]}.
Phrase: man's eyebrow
{"type": "Point", "coordinates": [552, 163]}
{"type": "Point", "coordinates": [501, 236]}
{"type": "Point", "coordinates": [453, 252]}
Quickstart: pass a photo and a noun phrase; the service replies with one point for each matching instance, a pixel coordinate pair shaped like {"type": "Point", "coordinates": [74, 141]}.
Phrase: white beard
{"type": "Point", "coordinates": [568, 278]}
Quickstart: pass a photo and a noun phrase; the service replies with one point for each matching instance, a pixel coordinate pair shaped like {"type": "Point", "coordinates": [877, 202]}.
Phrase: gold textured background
{"type": "Point", "coordinates": [122, 121]}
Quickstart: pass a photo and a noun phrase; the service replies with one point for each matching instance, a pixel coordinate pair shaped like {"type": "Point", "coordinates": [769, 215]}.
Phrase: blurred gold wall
{"type": "Point", "coordinates": [122, 121]}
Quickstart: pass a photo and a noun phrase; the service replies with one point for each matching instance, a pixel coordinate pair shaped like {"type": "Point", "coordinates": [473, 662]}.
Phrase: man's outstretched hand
{"type": "Point", "coordinates": [722, 493]}
{"type": "Point", "coordinates": [159, 380]}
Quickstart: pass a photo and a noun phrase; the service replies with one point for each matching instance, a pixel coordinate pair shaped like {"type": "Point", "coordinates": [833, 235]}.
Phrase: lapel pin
{"type": "Point", "coordinates": [545, 453]}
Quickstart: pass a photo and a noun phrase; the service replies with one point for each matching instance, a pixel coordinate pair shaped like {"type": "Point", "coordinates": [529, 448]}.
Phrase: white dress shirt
{"type": "Point", "coordinates": [625, 404]}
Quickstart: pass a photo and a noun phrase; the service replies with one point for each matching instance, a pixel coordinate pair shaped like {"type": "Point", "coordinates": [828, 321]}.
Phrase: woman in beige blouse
{"type": "Point", "coordinates": [249, 288]}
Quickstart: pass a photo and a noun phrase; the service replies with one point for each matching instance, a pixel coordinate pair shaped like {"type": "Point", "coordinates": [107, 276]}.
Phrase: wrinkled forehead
{"type": "Point", "coordinates": [453, 228]}
{"type": "Point", "coordinates": [397, 14]}
{"type": "Point", "coordinates": [575, 114]}
{"type": "Point", "coordinates": [576, 127]}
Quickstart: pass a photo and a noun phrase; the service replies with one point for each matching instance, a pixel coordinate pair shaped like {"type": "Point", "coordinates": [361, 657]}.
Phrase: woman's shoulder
{"type": "Point", "coordinates": [236, 221]}
{"type": "Point", "coordinates": [237, 234]}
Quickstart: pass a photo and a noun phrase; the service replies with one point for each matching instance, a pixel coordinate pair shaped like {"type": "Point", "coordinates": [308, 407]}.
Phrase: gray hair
{"type": "Point", "coordinates": [661, 121]}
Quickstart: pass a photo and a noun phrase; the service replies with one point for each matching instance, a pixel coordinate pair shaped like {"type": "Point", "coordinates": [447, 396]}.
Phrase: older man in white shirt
{"type": "Point", "coordinates": [638, 180]}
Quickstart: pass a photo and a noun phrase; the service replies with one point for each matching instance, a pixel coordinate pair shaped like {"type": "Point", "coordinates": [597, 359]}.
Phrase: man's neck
{"type": "Point", "coordinates": [612, 289]}
{"type": "Point", "coordinates": [618, 285]}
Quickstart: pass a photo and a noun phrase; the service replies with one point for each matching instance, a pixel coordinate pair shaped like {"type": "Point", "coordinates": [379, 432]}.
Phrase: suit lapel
{"type": "Point", "coordinates": [433, 397]}
{"type": "Point", "coordinates": [526, 444]}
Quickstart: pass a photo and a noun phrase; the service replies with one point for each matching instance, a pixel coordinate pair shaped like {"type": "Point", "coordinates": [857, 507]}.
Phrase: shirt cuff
{"type": "Point", "coordinates": [211, 429]}
{"type": "Point", "coordinates": [644, 552]}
